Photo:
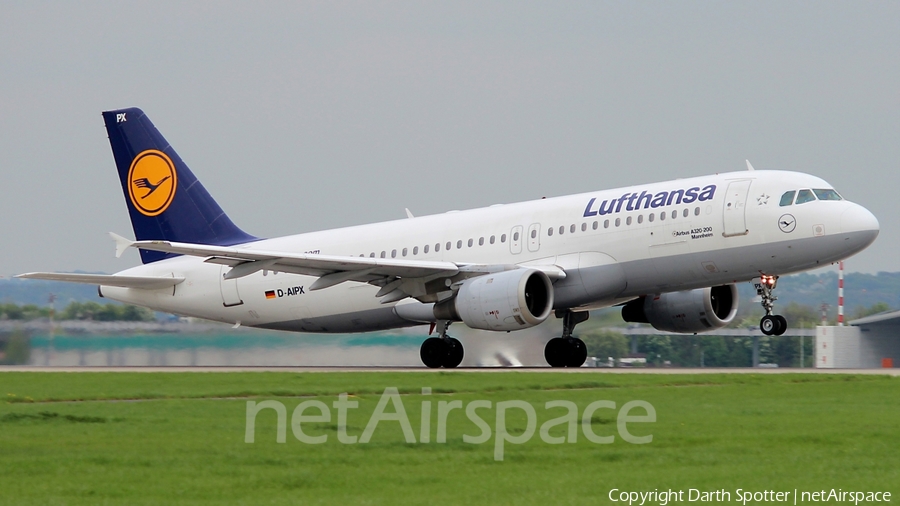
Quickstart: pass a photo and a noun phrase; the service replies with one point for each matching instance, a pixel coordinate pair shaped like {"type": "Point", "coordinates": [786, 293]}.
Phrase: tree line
{"type": "Point", "coordinates": [78, 311]}
{"type": "Point", "coordinates": [701, 350]}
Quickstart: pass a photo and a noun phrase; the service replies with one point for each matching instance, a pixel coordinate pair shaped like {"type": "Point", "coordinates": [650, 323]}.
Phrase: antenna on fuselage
{"type": "Point", "coordinates": [749, 167]}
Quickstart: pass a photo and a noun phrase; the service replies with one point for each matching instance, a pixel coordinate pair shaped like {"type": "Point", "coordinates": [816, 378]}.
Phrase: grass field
{"type": "Point", "coordinates": [142, 438]}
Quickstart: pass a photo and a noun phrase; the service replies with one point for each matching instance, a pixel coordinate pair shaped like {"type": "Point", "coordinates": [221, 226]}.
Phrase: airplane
{"type": "Point", "coordinates": [668, 253]}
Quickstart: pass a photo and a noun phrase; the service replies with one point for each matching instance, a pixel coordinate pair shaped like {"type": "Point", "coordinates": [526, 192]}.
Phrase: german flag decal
{"type": "Point", "coordinates": [270, 294]}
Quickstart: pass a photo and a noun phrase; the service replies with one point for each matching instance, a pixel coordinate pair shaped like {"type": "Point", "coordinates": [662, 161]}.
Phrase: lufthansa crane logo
{"type": "Point", "coordinates": [787, 223]}
{"type": "Point", "coordinates": [151, 182]}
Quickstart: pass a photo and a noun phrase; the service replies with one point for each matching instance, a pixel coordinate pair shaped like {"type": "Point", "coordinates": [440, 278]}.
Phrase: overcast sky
{"type": "Point", "coordinates": [300, 116]}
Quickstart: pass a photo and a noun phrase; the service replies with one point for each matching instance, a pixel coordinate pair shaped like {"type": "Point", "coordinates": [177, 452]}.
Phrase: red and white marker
{"type": "Point", "coordinates": [841, 294]}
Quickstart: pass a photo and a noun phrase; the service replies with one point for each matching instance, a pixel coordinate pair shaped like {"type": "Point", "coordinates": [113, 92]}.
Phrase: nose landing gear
{"type": "Point", "coordinates": [567, 351]}
{"type": "Point", "coordinates": [770, 324]}
{"type": "Point", "coordinates": [442, 351]}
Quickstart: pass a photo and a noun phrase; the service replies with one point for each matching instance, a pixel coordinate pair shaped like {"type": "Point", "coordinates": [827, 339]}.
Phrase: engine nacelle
{"type": "Point", "coordinates": [688, 312]}
{"type": "Point", "coordinates": [508, 300]}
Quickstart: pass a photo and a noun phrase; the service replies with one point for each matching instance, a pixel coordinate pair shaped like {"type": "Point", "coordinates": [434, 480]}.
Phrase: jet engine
{"type": "Point", "coordinates": [509, 300]}
{"type": "Point", "coordinates": [687, 312]}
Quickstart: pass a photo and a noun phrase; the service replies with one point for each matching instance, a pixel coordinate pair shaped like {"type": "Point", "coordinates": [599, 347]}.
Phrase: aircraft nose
{"type": "Point", "coordinates": [860, 222]}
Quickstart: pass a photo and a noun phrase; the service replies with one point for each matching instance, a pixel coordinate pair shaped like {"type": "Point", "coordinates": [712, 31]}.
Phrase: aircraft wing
{"type": "Point", "coordinates": [398, 279]}
{"type": "Point", "coordinates": [145, 282]}
{"type": "Point", "coordinates": [300, 263]}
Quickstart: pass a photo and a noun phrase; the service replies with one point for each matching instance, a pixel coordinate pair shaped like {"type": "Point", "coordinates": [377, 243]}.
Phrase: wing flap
{"type": "Point", "coordinates": [142, 282]}
{"type": "Point", "coordinates": [300, 263]}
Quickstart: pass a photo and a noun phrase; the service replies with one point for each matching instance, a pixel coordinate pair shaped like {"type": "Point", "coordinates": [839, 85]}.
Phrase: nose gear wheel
{"type": "Point", "coordinates": [770, 324]}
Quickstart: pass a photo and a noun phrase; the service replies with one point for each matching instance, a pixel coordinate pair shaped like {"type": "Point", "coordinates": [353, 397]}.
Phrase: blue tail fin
{"type": "Point", "coordinates": [164, 198]}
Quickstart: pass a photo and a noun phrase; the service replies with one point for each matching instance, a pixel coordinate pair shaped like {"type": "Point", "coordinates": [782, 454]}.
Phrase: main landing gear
{"type": "Point", "coordinates": [770, 324]}
{"type": "Point", "coordinates": [567, 351]}
{"type": "Point", "coordinates": [442, 351]}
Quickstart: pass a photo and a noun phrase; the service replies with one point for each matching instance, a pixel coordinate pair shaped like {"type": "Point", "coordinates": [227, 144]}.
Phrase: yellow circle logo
{"type": "Point", "coordinates": [151, 182]}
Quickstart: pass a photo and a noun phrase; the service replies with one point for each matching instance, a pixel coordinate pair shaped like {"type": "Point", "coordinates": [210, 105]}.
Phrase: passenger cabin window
{"type": "Point", "coordinates": [516, 236]}
{"type": "Point", "coordinates": [549, 231]}
{"type": "Point", "coordinates": [416, 250]}
{"type": "Point", "coordinates": [492, 239]}
{"type": "Point", "coordinates": [787, 199]}
{"type": "Point", "coordinates": [425, 249]}
{"type": "Point", "coordinates": [827, 194]}
{"type": "Point", "coordinates": [502, 237]}
{"type": "Point", "coordinates": [804, 196]}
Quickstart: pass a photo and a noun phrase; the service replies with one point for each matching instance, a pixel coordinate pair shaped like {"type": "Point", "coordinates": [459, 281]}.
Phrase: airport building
{"type": "Point", "coordinates": [867, 343]}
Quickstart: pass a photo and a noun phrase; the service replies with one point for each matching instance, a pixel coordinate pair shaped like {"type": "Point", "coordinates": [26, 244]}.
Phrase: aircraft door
{"type": "Point", "coordinates": [229, 289]}
{"type": "Point", "coordinates": [515, 240]}
{"type": "Point", "coordinates": [534, 237]}
{"type": "Point", "coordinates": [734, 218]}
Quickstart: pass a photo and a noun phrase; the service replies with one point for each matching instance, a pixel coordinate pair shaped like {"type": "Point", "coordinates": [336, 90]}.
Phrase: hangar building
{"type": "Point", "coordinates": [870, 342]}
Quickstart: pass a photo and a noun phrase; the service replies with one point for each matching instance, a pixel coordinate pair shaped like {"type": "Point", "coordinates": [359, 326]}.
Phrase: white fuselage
{"type": "Point", "coordinates": [613, 245]}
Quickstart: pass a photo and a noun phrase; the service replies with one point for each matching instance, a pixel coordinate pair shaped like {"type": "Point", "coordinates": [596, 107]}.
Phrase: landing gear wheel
{"type": "Point", "coordinates": [773, 325]}
{"type": "Point", "coordinates": [770, 324]}
{"type": "Point", "coordinates": [454, 353]}
{"type": "Point", "coordinates": [782, 322]}
{"type": "Point", "coordinates": [433, 352]}
{"type": "Point", "coordinates": [565, 352]}
{"type": "Point", "coordinates": [555, 352]}
{"type": "Point", "coordinates": [577, 352]}
{"type": "Point", "coordinates": [443, 351]}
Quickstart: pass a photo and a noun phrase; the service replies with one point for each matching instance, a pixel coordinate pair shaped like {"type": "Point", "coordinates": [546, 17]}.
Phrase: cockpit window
{"type": "Point", "coordinates": [787, 199]}
{"type": "Point", "coordinates": [804, 196]}
{"type": "Point", "coordinates": [827, 194]}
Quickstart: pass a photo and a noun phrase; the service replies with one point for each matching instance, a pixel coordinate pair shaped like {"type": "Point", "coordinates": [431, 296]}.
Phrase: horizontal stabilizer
{"type": "Point", "coordinates": [122, 243]}
{"type": "Point", "coordinates": [145, 282]}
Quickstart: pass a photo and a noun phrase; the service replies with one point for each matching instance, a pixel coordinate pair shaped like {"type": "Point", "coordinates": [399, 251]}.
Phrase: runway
{"type": "Point", "coordinates": [330, 369]}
